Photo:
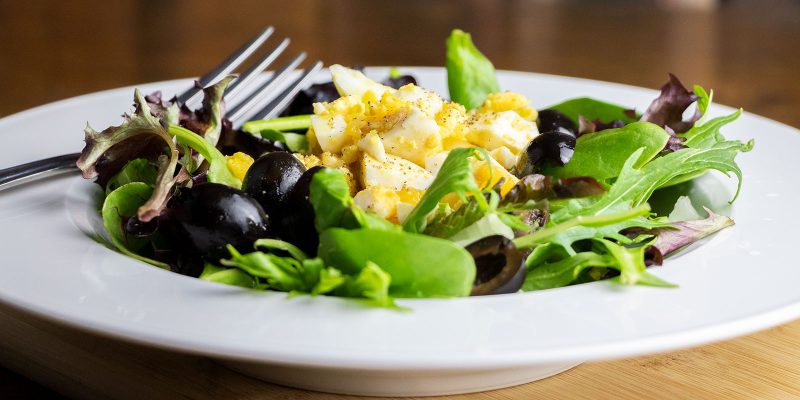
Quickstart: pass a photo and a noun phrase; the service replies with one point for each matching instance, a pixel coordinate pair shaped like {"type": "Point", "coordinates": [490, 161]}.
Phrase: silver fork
{"type": "Point", "coordinates": [260, 103]}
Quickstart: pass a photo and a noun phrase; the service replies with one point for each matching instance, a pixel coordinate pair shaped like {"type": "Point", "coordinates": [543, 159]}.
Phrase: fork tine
{"type": "Point", "coordinates": [252, 72]}
{"type": "Point", "coordinates": [264, 91]}
{"type": "Point", "coordinates": [280, 102]}
{"type": "Point", "coordinates": [227, 65]}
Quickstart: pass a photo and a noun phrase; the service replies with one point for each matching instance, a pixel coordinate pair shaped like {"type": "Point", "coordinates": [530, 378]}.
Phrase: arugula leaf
{"type": "Point", "coordinates": [602, 154]}
{"type": "Point", "coordinates": [419, 265]}
{"type": "Point", "coordinates": [119, 205]}
{"type": "Point", "coordinates": [138, 170]}
{"type": "Point", "coordinates": [371, 283]}
{"type": "Point", "coordinates": [335, 208]}
{"type": "Point", "coordinates": [274, 244]}
{"type": "Point", "coordinates": [455, 176]}
{"type": "Point", "coordinates": [634, 186]}
{"type": "Point", "coordinates": [593, 109]}
{"type": "Point", "coordinates": [706, 135]}
{"type": "Point", "coordinates": [489, 225]}
{"type": "Point", "coordinates": [630, 263]}
{"type": "Point", "coordinates": [218, 171]}
{"type": "Point", "coordinates": [548, 275]}
{"type": "Point", "coordinates": [470, 75]}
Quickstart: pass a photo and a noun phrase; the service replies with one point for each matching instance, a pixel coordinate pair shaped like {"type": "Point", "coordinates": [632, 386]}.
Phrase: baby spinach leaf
{"type": "Point", "coordinates": [218, 171]}
{"type": "Point", "coordinates": [335, 208]}
{"type": "Point", "coordinates": [470, 75]}
{"type": "Point", "coordinates": [455, 176]}
{"type": "Point", "coordinates": [119, 205]}
{"type": "Point", "coordinates": [419, 265]}
{"type": "Point", "coordinates": [593, 109]}
{"type": "Point", "coordinates": [602, 154]}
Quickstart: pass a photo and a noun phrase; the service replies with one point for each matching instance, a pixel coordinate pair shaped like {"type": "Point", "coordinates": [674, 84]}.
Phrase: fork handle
{"type": "Point", "coordinates": [37, 169]}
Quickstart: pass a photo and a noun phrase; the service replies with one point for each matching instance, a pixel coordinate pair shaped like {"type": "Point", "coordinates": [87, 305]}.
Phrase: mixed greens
{"type": "Point", "coordinates": [186, 192]}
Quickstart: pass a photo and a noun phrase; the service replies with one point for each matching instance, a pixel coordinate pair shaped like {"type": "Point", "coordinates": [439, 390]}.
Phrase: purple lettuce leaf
{"type": "Point", "coordinates": [683, 233]}
{"type": "Point", "coordinates": [667, 110]}
{"type": "Point", "coordinates": [141, 135]}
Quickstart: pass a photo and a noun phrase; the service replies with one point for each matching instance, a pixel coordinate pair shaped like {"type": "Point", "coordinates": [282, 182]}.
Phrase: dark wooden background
{"type": "Point", "coordinates": [749, 51]}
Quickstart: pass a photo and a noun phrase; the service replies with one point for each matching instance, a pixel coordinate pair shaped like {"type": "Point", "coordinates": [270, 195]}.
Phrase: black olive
{"type": "Point", "coordinates": [553, 148]}
{"type": "Point", "coordinates": [137, 228]}
{"type": "Point", "coordinates": [203, 219]}
{"type": "Point", "coordinates": [556, 121]}
{"type": "Point", "coordinates": [297, 223]}
{"type": "Point", "coordinates": [500, 266]}
{"type": "Point", "coordinates": [271, 178]}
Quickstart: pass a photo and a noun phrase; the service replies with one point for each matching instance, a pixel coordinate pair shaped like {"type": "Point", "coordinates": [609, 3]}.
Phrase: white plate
{"type": "Point", "coordinates": [742, 280]}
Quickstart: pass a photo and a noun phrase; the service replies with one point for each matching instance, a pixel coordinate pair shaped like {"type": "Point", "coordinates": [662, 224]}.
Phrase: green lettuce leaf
{"type": "Point", "coordinates": [138, 170]}
{"type": "Point", "coordinates": [218, 171]}
{"type": "Point", "coordinates": [335, 208]}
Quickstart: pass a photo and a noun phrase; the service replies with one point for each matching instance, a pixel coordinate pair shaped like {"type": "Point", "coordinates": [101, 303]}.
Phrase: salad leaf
{"type": "Point", "coordinates": [138, 170]}
{"type": "Point", "coordinates": [419, 265]}
{"type": "Point", "coordinates": [592, 156]}
{"type": "Point", "coordinates": [141, 135]}
{"type": "Point", "coordinates": [218, 171]}
{"type": "Point", "coordinates": [281, 273]}
{"type": "Point", "coordinates": [371, 283]}
{"type": "Point", "coordinates": [594, 110]}
{"type": "Point", "coordinates": [667, 110]}
{"type": "Point", "coordinates": [228, 276]}
{"type": "Point", "coordinates": [470, 75]}
{"type": "Point", "coordinates": [212, 110]}
{"type": "Point", "coordinates": [630, 263]}
{"type": "Point", "coordinates": [335, 208]}
{"type": "Point", "coordinates": [682, 233]}
{"type": "Point", "coordinates": [120, 205]}
{"type": "Point", "coordinates": [455, 176]}
{"type": "Point", "coordinates": [489, 225]}
{"type": "Point", "coordinates": [635, 185]}
{"type": "Point", "coordinates": [548, 275]}
{"type": "Point", "coordinates": [294, 141]}
{"type": "Point", "coordinates": [706, 135]}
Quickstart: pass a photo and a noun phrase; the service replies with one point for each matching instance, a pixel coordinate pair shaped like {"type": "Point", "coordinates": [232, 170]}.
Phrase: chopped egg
{"type": "Point", "coordinates": [395, 140]}
{"type": "Point", "coordinates": [495, 129]}
{"type": "Point", "coordinates": [395, 173]}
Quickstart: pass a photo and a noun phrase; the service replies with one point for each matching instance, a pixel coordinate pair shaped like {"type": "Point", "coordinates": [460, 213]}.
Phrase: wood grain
{"type": "Point", "coordinates": [747, 50]}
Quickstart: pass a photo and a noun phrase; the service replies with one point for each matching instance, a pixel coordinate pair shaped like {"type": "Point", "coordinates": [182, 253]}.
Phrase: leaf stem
{"type": "Point", "coordinates": [292, 123]}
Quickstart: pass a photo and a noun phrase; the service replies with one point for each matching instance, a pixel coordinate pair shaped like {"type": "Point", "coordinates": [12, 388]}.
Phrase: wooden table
{"type": "Point", "coordinates": [747, 50]}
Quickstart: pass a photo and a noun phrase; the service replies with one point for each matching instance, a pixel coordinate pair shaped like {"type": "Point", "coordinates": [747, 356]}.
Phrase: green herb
{"type": "Point", "coordinates": [419, 265]}
{"type": "Point", "coordinates": [470, 75]}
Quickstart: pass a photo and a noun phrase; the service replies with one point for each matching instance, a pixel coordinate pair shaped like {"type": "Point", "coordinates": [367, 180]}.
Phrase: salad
{"type": "Point", "coordinates": [383, 190]}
